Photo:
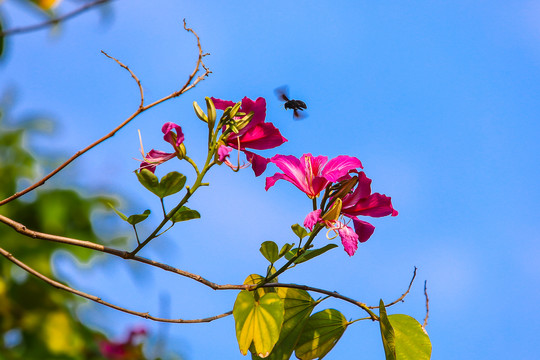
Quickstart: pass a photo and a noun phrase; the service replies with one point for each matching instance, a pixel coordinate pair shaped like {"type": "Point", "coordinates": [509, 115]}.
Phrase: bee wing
{"type": "Point", "coordinates": [299, 115]}
{"type": "Point", "coordinates": [282, 93]}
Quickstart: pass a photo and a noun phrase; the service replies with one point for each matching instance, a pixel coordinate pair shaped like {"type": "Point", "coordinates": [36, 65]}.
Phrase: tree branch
{"type": "Point", "coordinates": [190, 83]}
{"type": "Point", "coordinates": [402, 296]}
{"type": "Point", "coordinates": [53, 21]}
{"type": "Point", "coordinates": [61, 286]}
{"type": "Point", "coordinates": [427, 306]}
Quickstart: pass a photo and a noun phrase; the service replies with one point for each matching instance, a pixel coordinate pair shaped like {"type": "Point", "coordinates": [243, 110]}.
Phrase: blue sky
{"type": "Point", "coordinates": [439, 100]}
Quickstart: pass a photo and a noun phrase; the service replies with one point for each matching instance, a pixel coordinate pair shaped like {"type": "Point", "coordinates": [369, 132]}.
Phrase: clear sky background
{"type": "Point", "coordinates": [439, 100]}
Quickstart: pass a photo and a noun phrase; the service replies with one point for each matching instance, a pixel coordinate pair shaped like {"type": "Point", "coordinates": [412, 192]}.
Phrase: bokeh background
{"type": "Point", "coordinates": [440, 101]}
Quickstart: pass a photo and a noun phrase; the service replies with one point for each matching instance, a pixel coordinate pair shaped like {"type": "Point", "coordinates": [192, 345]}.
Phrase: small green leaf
{"type": "Point", "coordinates": [412, 343]}
{"type": "Point", "coordinates": [257, 323]}
{"type": "Point", "coordinates": [285, 249]}
{"type": "Point", "coordinates": [170, 184]}
{"type": "Point", "coordinates": [122, 216]}
{"type": "Point", "coordinates": [137, 218]}
{"type": "Point", "coordinates": [185, 214]}
{"type": "Point", "coordinates": [269, 249]}
{"type": "Point", "coordinates": [310, 254]}
{"type": "Point", "coordinates": [321, 333]}
{"type": "Point", "coordinates": [149, 180]}
{"type": "Point", "coordinates": [299, 231]}
{"type": "Point", "coordinates": [198, 111]}
{"type": "Point", "coordinates": [387, 333]}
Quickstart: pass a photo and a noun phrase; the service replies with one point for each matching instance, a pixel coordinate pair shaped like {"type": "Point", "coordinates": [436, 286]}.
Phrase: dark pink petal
{"type": "Point", "coordinates": [362, 191]}
{"type": "Point", "coordinates": [173, 139]}
{"type": "Point", "coordinates": [258, 107]}
{"type": "Point", "coordinates": [363, 229]}
{"type": "Point", "coordinates": [222, 104]}
{"type": "Point", "coordinates": [223, 152]}
{"type": "Point", "coordinates": [340, 166]}
{"type": "Point", "coordinates": [154, 158]}
{"type": "Point", "coordinates": [293, 171]}
{"type": "Point", "coordinates": [349, 239]}
{"type": "Point", "coordinates": [376, 205]}
{"type": "Point", "coordinates": [261, 137]}
{"type": "Point", "coordinates": [312, 218]}
{"type": "Point", "coordinates": [258, 163]}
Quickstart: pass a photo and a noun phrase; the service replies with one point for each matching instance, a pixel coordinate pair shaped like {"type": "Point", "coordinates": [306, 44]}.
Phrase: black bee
{"type": "Point", "coordinates": [295, 105]}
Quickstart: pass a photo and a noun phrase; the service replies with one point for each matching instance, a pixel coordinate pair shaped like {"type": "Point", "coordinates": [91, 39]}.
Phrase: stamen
{"type": "Point", "coordinates": [140, 140]}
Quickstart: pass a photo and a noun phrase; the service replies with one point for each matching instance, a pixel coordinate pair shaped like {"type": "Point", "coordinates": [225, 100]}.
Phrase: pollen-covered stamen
{"type": "Point", "coordinates": [309, 172]}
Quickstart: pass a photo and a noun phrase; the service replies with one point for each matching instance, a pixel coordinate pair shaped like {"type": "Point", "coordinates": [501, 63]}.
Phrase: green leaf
{"type": "Point", "coordinates": [254, 279]}
{"type": "Point", "coordinates": [308, 254]}
{"type": "Point", "coordinates": [269, 250]}
{"type": "Point", "coordinates": [411, 342]}
{"type": "Point", "coordinates": [149, 180]}
{"type": "Point", "coordinates": [257, 323]}
{"type": "Point", "coordinates": [122, 216]}
{"type": "Point", "coordinates": [299, 231]}
{"type": "Point", "coordinates": [135, 219]}
{"type": "Point", "coordinates": [321, 333]}
{"type": "Point", "coordinates": [298, 305]}
{"type": "Point", "coordinates": [185, 214]}
{"type": "Point", "coordinates": [171, 183]}
{"type": "Point", "coordinates": [285, 249]}
{"type": "Point", "coordinates": [387, 333]}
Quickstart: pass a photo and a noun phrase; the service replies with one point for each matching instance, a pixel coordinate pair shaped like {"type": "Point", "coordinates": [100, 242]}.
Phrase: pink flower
{"type": "Point", "coordinates": [257, 134]}
{"type": "Point", "coordinates": [312, 174]}
{"type": "Point", "coordinates": [157, 157]}
{"type": "Point", "coordinates": [359, 201]}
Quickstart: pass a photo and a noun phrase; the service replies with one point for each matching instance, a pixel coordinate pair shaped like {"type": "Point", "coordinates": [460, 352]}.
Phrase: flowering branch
{"type": "Point", "coordinates": [190, 83]}
{"type": "Point", "coordinates": [54, 20]}
{"type": "Point", "coordinates": [61, 286]}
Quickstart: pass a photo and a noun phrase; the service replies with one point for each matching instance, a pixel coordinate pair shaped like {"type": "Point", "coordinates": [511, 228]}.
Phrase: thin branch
{"type": "Point", "coordinates": [55, 20]}
{"type": "Point", "coordinates": [132, 75]}
{"type": "Point", "coordinates": [334, 294]}
{"type": "Point", "coordinates": [402, 296]}
{"type": "Point", "coordinates": [191, 82]}
{"type": "Point", "coordinates": [61, 286]}
{"type": "Point", "coordinates": [427, 306]}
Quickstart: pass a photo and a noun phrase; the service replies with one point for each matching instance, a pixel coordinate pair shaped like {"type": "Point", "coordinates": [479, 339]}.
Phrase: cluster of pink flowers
{"type": "Point", "coordinates": [311, 174]}
{"type": "Point", "coordinates": [124, 350]}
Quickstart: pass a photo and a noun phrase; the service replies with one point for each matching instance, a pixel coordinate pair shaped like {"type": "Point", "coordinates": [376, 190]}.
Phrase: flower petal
{"type": "Point", "coordinates": [312, 218]}
{"type": "Point", "coordinates": [258, 163]}
{"type": "Point", "coordinates": [376, 205]}
{"type": "Point", "coordinates": [363, 229]}
{"type": "Point", "coordinates": [261, 137]}
{"type": "Point", "coordinates": [173, 139]}
{"type": "Point", "coordinates": [223, 152]}
{"type": "Point", "coordinates": [340, 166]}
{"type": "Point", "coordinates": [222, 104]}
{"type": "Point", "coordinates": [349, 239]}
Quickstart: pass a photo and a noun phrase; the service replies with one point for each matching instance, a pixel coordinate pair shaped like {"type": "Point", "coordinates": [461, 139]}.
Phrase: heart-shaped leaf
{"type": "Point", "coordinates": [299, 231]}
{"type": "Point", "coordinates": [170, 184]}
{"type": "Point", "coordinates": [137, 218]}
{"type": "Point", "coordinates": [257, 323]}
{"type": "Point", "coordinates": [269, 249]}
{"type": "Point", "coordinates": [411, 342]}
{"type": "Point", "coordinates": [387, 333]}
{"type": "Point", "coordinates": [149, 180]}
{"type": "Point", "coordinates": [185, 214]}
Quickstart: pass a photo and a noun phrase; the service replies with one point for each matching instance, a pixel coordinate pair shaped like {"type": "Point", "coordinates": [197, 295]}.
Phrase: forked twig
{"type": "Point", "coordinates": [190, 83]}
{"type": "Point", "coordinates": [55, 20]}
{"type": "Point", "coordinates": [61, 286]}
{"type": "Point", "coordinates": [402, 296]}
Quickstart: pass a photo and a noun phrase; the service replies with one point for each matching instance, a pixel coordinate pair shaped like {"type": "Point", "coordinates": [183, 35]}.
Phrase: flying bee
{"type": "Point", "coordinates": [295, 105]}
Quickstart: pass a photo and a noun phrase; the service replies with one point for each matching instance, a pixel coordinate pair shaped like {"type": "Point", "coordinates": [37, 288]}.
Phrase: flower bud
{"type": "Point", "coordinates": [180, 151]}
{"type": "Point", "coordinates": [198, 111]}
{"type": "Point", "coordinates": [333, 214]}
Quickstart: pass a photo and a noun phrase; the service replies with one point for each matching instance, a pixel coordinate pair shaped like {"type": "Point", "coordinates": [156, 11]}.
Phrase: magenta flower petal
{"type": "Point", "coordinates": [222, 104]}
{"type": "Point", "coordinates": [261, 137]}
{"type": "Point", "coordinates": [312, 218]}
{"type": "Point", "coordinates": [223, 152]}
{"type": "Point", "coordinates": [174, 139]}
{"type": "Point", "coordinates": [155, 158]}
{"type": "Point", "coordinates": [340, 166]}
{"type": "Point", "coordinates": [349, 239]}
{"type": "Point", "coordinates": [258, 163]}
{"type": "Point", "coordinates": [363, 229]}
{"type": "Point", "coordinates": [376, 205]}
{"type": "Point", "coordinates": [258, 107]}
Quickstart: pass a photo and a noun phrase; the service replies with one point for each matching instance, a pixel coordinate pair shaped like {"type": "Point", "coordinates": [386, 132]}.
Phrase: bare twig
{"type": "Point", "coordinates": [402, 296]}
{"type": "Point", "coordinates": [427, 306]}
{"type": "Point", "coordinates": [55, 20]}
{"type": "Point", "coordinates": [61, 286]}
{"type": "Point", "coordinates": [190, 83]}
{"type": "Point", "coordinates": [132, 75]}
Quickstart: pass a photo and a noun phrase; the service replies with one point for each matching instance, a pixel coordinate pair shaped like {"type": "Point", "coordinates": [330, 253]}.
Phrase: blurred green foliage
{"type": "Point", "coordinates": [38, 321]}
